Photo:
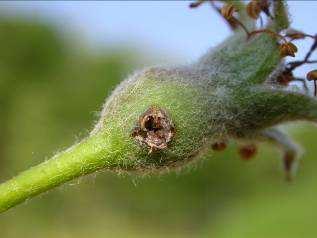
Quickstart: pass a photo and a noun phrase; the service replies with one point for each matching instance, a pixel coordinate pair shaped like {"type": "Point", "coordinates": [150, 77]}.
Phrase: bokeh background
{"type": "Point", "coordinates": [58, 62]}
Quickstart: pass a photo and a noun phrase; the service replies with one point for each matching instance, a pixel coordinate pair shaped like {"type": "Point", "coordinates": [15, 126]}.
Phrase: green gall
{"type": "Point", "coordinates": [163, 118]}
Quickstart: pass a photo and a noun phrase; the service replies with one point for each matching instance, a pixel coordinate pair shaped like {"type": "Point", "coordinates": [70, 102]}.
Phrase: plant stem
{"type": "Point", "coordinates": [269, 32]}
{"type": "Point", "coordinates": [88, 156]}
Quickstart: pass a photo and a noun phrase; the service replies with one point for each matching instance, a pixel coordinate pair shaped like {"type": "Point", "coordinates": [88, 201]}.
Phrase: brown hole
{"type": "Point", "coordinates": [151, 124]}
{"type": "Point", "coordinates": [154, 129]}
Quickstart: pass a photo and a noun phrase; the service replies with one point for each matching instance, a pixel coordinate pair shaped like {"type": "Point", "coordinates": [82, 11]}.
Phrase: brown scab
{"type": "Point", "coordinates": [154, 129]}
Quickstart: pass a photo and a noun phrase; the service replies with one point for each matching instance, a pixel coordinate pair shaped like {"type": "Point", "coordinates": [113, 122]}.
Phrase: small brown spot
{"type": "Point", "coordinates": [219, 146]}
{"type": "Point", "coordinates": [154, 129]}
{"type": "Point", "coordinates": [285, 78]}
{"type": "Point", "coordinates": [288, 159]}
{"type": "Point", "coordinates": [247, 152]}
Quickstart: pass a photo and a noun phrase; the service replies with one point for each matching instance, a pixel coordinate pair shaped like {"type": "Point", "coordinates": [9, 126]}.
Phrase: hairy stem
{"type": "Point", "coordinates": [79, 160]}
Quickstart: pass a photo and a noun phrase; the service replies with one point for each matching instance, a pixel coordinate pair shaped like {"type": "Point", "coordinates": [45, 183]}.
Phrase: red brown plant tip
{"type": "Point", "coordinates": [295, 64]}
{"type": "Point", "coordinates": [219, 146]}
{"type": "Point", "coordinates": [287, 49]}
{"type": "Point", "coordinates": [247, 152]}
{"type": "Point", "coordinates": [285, 78]}
{"type": "Point", "coordinates": [312, 75]}
{"type": "Point", "coordinates": [155, 129]}
{"type": "Point", "coordinates": [227, 11]}
{"type": "Point", "coordinates": [196, 4]}
{"type": "Point", "coordinates": [253, 9]}
{"type": "Point", "coordinates": [295, 34]}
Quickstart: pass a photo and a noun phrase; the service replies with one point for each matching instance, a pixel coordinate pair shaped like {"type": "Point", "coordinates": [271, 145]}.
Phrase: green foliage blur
{"type": "Point", "coordinates": [50, 93]}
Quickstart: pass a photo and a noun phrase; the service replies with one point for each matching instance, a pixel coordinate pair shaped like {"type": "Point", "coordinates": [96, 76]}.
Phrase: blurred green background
{"type": "Point", "coordinates": [50, 93]}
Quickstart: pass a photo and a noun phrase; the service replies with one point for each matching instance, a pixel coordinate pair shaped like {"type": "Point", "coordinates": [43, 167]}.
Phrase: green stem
{"type": "Point", "coordinates": [281, 15]}
{"type": "Point", "coordinates": [86, 157]}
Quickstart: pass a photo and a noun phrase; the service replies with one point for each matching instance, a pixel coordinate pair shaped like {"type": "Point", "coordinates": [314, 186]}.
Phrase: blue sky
{"type": "Point", "coordinates": [167, 28]}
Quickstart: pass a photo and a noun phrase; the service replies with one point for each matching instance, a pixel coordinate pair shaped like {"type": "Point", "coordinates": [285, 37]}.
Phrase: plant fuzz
{"type": "Point", "coordinates": [163, 118]}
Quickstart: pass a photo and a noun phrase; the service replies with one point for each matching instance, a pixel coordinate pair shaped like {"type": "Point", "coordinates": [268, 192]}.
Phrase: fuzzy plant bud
{"type": "Point", "coordinates": [164, 118]}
